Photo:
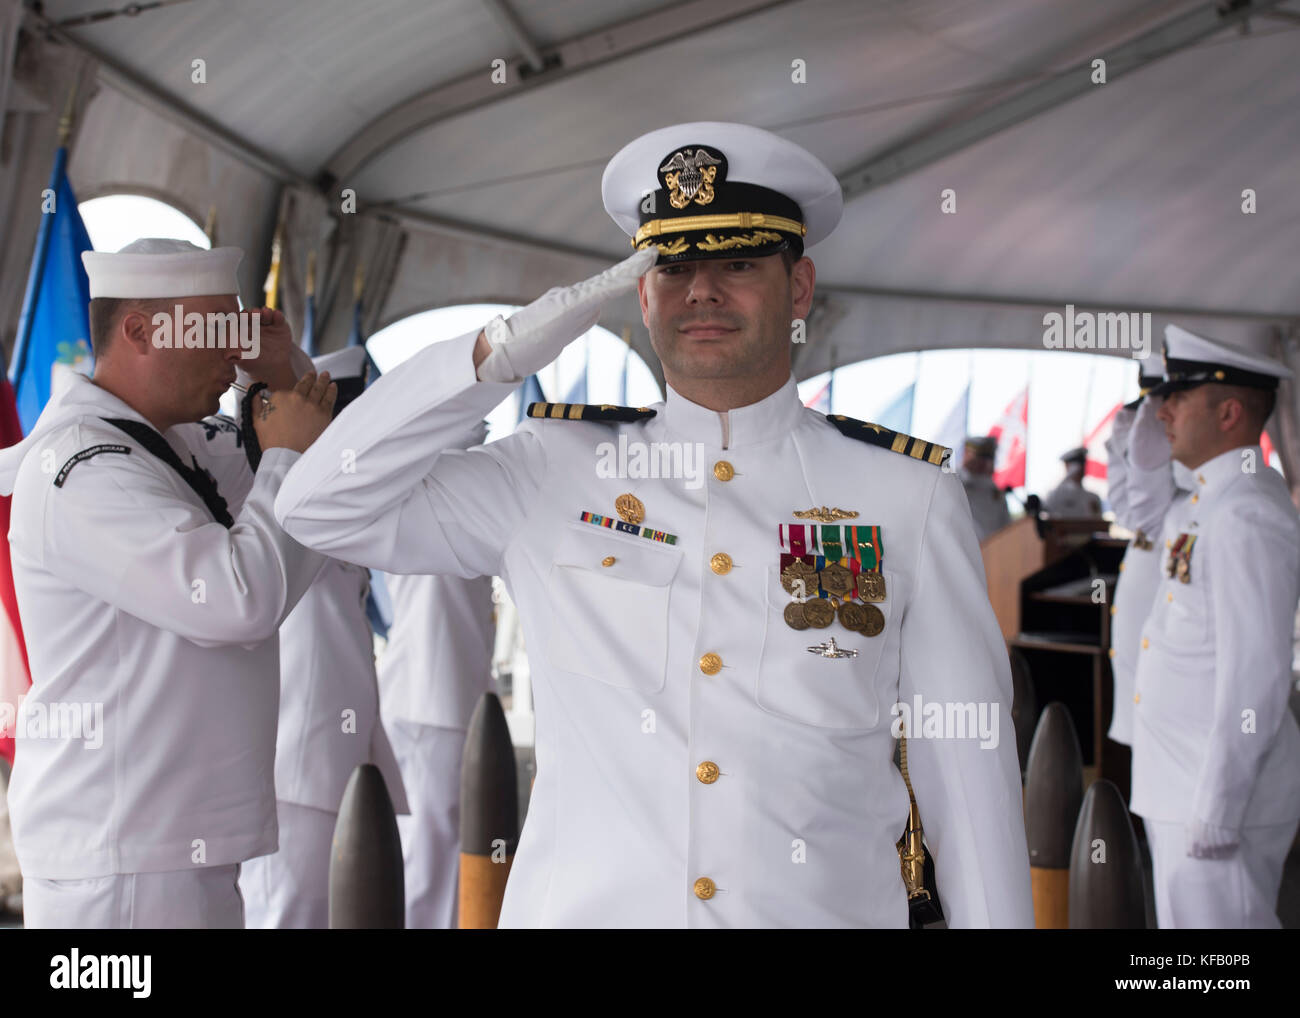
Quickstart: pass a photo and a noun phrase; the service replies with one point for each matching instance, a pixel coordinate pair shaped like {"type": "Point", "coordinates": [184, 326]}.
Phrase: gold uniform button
{"type": "Point", "coordinates": [1195, 499]}
{"type": "Point", "coordinates": [1121, 567]}
{"type": "Point", "coordinates": [723, 470]}
{"type": "Point", "coordinates": [707, 772]}
{"type": "Point", "coordinates": [1137, 697]}
{"type": "Point", "coordinates": [705, 888]}
{"type": "Point", "coordinates": [1169, 544]}
{"type": "Point", "coordinates": [1111, 652]}
{"type": "Point", "coordinates": [1201, 478]}
{"type": "Point", "coordinates": [710, 664]}
{"type": "Point", "coordinates": [720, 563]}
{"type": "Point", "coordinates": [1112, 611]}
{"type": "Point", "coordinates": [1170, 597]}
{"type": "Point", "coordinates": [1145, 643]}
{"type": "Point", "coordinates": [607, 561]}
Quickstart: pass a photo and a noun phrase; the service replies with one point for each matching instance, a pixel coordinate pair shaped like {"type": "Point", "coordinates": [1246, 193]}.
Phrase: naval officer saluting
{"type": "Point", "coordinates": [151, 578]}
{"type": "Point", "coordinates": [1216, 750]}
{"type": "Point", "coordinates": [716, 658]}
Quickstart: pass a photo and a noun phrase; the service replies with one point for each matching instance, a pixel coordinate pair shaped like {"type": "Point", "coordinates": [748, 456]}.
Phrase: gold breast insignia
{"type": "Point", "coordinates": [826, 515]}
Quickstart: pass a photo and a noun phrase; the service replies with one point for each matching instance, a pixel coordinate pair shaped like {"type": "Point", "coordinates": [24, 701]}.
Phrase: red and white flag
{"type": "Point", "coordinates": [15, 675]}
{"type": "Point", "coordinates": [1012, 433]}
{"type": "Point", "coordinates": [1095, 443]}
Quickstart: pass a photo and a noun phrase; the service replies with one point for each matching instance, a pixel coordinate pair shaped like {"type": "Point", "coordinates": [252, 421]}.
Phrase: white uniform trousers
{"type": "Point", "coordinates": [1239, 892]}
{"type": "Point", "coordinates": [289, 890]}
{"type": "Point", "coordinates": [205, 897]}
{"type": "Point", "coordinates": [429, 758]}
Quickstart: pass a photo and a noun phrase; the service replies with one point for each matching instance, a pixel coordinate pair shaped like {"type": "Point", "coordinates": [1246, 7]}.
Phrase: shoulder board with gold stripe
{"type": "Point", "coordinates": [894, 441]}
{"type": "Point", "coordinates": [588, 412]}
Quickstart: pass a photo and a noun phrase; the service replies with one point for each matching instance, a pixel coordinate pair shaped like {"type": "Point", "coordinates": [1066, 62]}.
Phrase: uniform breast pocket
{"type": "Point", "coordinates": [1187, 621]}
{"type": "Point", "coordinates": [609, 608]}
{"type": "Point", "coordinates": [815, 690]}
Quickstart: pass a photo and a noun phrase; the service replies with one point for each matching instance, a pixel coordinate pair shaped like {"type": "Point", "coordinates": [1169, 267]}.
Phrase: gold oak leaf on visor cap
{"type": "Point", "coordinates": [720, 190]}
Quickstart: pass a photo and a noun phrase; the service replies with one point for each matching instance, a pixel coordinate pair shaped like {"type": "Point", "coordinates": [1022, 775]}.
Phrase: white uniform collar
{"type": "Point", "coordinates": [75, 396]}
{"type": "Point", "coordinates": [1217, 473]}
{"type": "Point", "coordinates": [769, 419]}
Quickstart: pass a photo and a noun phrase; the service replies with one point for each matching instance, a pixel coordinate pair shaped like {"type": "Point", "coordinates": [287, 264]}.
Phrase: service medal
{"type": "Point", "coordinates": [794, 616]}
{"type": "Point", "coordinates": [836, 579]}
{"type": "Point", "coordinates": [875, 622]}
{"type": "Point", "coordinates": [871, 586]}
{"type": "Point", "coordinates": [853, 616]}
{"type": "Point", "coordinates": [818, 613]}
{"type": "Point", "coordinates": [799, 570]}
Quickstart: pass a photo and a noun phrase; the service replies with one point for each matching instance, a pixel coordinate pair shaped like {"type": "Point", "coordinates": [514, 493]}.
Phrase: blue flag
{"type": "Point", "coordinates": [54, 326]}
{"type": "Point", "coordinates": [897, 415]}
{"type": "Point", "coordinates": [622, 384]}
{"type": "Point", "coordinates": [529, 392]}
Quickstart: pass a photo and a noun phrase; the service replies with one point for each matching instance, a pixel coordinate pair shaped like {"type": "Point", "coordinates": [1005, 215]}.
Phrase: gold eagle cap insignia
{"type": "Point", "coordinates": [826, 515]}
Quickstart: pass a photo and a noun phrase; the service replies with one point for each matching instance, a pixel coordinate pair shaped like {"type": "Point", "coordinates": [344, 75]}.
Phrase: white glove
{"type": "Point", "coordinates": [1208, 841]}
{"type": "Point", "coordinates": [1148, 446]}
{"type": "Point", "coordinates": [533, 336]}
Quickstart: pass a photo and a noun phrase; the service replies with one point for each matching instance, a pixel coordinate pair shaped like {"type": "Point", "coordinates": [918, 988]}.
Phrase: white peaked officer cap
{"type": "Point", "coordinates": [155, 267]}
{"type": "Point", "coordinates": [720, 191]}
{"type": "Point", "coordinates": [1192, 360]}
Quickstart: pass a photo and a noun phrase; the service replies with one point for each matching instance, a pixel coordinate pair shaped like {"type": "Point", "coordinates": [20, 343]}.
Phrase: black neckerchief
{"type": "Point", "coordinates": [196, 477]}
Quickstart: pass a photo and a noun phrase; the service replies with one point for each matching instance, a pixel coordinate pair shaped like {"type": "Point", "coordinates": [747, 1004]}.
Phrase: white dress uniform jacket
{"type": "Point", "coordinates": [1214, 740]}
{"type": "Point", "coordinates": [799, 827]}
{"type": "Point", "coordinates": [438, 661]}
{"type": "Point", "coordinates": [329, 697]}
{"type": "Point", "coordinates": [988, 504]}
{"type": "Point", "coordinates": [132, 597]}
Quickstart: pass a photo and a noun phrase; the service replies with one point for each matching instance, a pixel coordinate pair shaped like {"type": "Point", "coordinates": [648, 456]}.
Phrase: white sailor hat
{"type": "Point", "coordinates": [349, 369]}
{"type": "Point", "coordinates": [1192, 360]}
{"type": "Point", "coordinates": [713, 190]}
{"type": "Point", "coordinates": [156, 267]}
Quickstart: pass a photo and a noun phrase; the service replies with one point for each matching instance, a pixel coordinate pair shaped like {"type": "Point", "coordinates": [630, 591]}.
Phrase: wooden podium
{"type": "Point", "coordinates": [1052, 597]}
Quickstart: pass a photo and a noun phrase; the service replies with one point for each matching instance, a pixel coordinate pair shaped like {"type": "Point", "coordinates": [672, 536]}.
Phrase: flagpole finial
{"type": "Point", "coordinates": [69, 119]}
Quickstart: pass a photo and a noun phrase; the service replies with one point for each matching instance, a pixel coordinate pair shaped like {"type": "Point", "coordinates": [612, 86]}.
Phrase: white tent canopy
{"type": "Point", "coordinates": [1119, 197]}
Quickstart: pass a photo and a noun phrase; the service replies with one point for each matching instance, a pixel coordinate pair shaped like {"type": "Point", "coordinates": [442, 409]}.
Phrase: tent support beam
{"type": "Point", "coordinates": [123, 79]}
{"type": "Point", "coordinates": [573, 56]}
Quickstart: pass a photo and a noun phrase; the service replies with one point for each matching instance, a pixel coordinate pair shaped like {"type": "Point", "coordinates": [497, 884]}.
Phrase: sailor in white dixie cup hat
{"type": "Point", "coordinates": [152, 577]}
{"type": "Point", "coordinates": [1216, 750]}
{"type": "Point", "coordinates": [329, 723]}
{"type": "Point", "coordinates": [716, 659]}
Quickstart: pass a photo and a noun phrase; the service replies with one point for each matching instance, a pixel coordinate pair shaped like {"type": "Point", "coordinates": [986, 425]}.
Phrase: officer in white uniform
{"type": "Point", "coordinates": [435, 668]}
{"type": "Point", "coordinates": [1216, 750]}
{"type": "Point", "coordinates": [152, 577]}
{"type": "Point", "coordinates": [1139, 571]}
{"type": "Point", "coordinates": [329, 723]}
{"type": "Point", "coordinates": [988, 502]}
{"type": "Point", "coordinates": [716, 651]}
{"type": "Point", "coordinates": [1070, 499]}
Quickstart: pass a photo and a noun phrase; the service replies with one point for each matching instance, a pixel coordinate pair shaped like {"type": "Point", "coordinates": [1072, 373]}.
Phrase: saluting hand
{"type": "Point", "coordinates": [294, 418]}
{"type": "Point", "coordinates": [510, 349]}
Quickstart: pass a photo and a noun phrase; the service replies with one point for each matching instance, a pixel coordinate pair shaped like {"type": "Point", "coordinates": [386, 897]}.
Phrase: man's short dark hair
{"type": "Point", "coordinates": [107, 312]}
{"type": "Point", "coordinates": [787, 259]}
{"type": "Point", "coordinates": [1257, 404]}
